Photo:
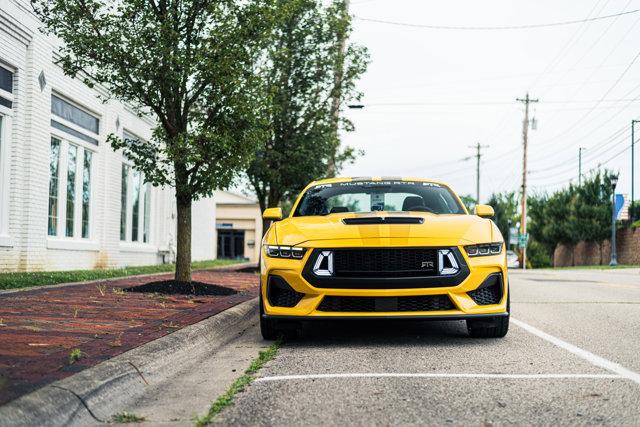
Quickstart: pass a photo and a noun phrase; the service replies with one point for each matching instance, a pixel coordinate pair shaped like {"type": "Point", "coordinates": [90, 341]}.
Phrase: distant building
{"type": "Point", "coordinates": [238, 226]}
{"type": "Point", "coordinates": [67, 199]}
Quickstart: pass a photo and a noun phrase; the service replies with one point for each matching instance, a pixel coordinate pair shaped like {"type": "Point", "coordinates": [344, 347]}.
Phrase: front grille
{"type": "Point", "coordinates": [280, 294]}
{"type": "Point", "coordinates": [386, 262]}
{"type": "Point", "coordinates": [386, 304]}
{"type": "Point", "coordinates": [489, 292]}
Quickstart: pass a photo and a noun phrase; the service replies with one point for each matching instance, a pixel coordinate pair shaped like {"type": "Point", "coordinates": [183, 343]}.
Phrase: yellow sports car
{"type": "Point", "coordinates": [383, 248]}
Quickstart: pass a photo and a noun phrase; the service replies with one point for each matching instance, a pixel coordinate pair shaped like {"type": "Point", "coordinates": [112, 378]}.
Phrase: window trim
{"type": "Point", "coordinates": [5, 176]}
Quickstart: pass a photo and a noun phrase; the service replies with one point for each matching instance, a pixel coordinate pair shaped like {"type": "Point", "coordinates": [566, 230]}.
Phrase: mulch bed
{"type": "Point", "coordinates": [40, 327]}
{"type": "Point", "coordinates": [172, 287]}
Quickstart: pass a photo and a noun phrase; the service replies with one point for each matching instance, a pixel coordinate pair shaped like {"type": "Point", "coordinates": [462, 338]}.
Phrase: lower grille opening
{"type": "Point", "coordinates": [280, 294]}
{"type": "Point", "coordinates": [386, 304]}
{"type": "Point", "coordinates": [489, 292]}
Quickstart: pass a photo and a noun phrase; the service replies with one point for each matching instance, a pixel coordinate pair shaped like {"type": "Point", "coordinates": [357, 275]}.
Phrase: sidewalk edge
{"type": "Point", "coordinates": [92, 396]}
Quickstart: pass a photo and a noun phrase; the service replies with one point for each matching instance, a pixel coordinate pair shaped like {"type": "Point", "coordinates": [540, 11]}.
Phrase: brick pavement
{"type": "Point", "coordinates": [39, 327]}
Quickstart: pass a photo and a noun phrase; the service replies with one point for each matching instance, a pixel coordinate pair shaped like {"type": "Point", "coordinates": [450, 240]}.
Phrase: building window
{"type": "Point", "coordinates": [135, 202]}
{"type": "Point", "coordinates": [70, 168]}
{"type": "Point", "coordinates": [6, 88]}
{"type": "Point", "coordinates": [6, 115]}
{"type": "Point", "coordinates": [73, 114]}
{"type": "Point", "coordinates": [147, 212]}
{"type": "Point", "coordinates": [86, 192]}
{"type": "Point", "coordinates": [135, 220]}
{"type": "Point", "coordinates": [74, 121]}
{"type": "Point", "coordinates": [6, 80]}
{"type": "Point", "coordinates": [73, 140]}
{"type": "Point", "coordinates": [54, 163]}
{"type": "Point", "coordinates": [72, 163]}
{"type": "Point", "coordinates": [123, 201]}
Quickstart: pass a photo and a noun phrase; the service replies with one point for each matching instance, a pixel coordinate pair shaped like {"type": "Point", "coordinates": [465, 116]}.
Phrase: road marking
{"type": "Point", "coordinates": [435, 375]}
{"type": "Point", "coordinates": [586, 355]}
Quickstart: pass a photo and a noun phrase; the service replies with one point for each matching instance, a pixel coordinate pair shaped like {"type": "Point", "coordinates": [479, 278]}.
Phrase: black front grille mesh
{"type": "Point", "coordinates": [386, 304]}
{"type": "Point", "coordinates": [385, 262]}
{"type": "Point", "coordinates": [280, 294]}
{"type": "Point", "coordinates": [489, 292]}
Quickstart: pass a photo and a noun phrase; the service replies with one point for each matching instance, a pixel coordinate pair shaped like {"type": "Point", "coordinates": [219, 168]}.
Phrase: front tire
{"type": "Point", "coordinates": [268, 327]}
{"type": "Point", "coordinates": [492, 327]}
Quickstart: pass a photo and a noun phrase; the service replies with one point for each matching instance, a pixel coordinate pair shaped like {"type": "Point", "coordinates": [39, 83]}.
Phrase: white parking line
{"type": "Point", "coordinates": [436, 375]}
{"type": "Point", "coordinates": [586, 355]}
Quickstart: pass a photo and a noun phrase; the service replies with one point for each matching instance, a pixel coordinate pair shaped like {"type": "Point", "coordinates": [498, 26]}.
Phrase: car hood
{"type": "Point", "coordinates": [452, 229]}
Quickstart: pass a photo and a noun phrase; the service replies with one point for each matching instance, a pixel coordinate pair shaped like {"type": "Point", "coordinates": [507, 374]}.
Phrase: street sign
{"type": "Point", "coordinates": [523, 240]}
{"type": "Point", "coordinates": [622, 207]}
{"type": "Point", "coordinates": [513, 235]}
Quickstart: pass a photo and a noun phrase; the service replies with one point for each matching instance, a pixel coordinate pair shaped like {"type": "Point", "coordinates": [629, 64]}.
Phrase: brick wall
{"type": "Point", "coordinates": [599, 253]}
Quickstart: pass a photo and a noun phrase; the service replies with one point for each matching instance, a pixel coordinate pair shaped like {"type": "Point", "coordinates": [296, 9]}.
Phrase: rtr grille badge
{"type": "Point", "coordinates": [324, 264]}
{"type": "Point", "coordinates": [447, 262]}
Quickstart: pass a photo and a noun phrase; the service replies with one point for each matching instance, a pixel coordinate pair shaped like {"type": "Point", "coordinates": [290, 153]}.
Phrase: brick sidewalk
{"type": "Point", "coordinates": [39, 327]}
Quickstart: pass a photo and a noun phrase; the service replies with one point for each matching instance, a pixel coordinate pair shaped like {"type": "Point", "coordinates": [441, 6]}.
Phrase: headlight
{"type": "Point", "coordinates": [484, 249]}
{"type": "Point", "coordinates": [274, 251]}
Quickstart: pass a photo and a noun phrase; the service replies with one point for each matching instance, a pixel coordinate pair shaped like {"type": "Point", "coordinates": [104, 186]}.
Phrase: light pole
{"type": "Point", "coordinates": [633, 161]}
{"type": "Point", "coordinates": [614, 255]}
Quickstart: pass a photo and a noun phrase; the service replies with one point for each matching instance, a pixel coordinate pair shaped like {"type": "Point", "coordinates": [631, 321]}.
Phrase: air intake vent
{"type": "Point", "coordinates": [489, 292]}
{"type": "Point", "coordinates": [383, 220]}
{"type": "Point", "coordinates": [280, 294]}
{"type": "Point", "coordinates": [386, 304]}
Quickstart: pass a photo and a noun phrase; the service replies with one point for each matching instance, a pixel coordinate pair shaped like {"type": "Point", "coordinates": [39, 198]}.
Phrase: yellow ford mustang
{"type": "Point", "coordinates": [383, 248]}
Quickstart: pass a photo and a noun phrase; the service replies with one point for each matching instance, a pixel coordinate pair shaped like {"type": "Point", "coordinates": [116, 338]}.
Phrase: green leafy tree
{"type": "Point", "coordinates": [505, 206]}
{"type": "Point", "coordinates": [299, 81]}
{"type": "Point", "coordinates": [577, 213]}
{"type": "Point", "coordinates": [191, 64]}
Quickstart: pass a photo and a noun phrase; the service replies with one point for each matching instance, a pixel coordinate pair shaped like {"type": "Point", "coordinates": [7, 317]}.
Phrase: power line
{"type": "Point", "coordinates": [566, 47]}
{"type": "Point", "coordinates": [618, 154]}
{"type": "Point", "coordinates": [493, 28]}
{"type": "Point", "coordinates": [615, 136]}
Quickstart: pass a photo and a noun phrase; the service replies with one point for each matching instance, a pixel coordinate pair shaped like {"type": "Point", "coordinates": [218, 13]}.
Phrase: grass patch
{"type": "Point", "coordinates": [74, 356]}
{"type": "Point", "coordinates": [23, 280]}
{"type": "Point", "coordinates": [126, 417]}
{"type": "Point", "coordinates": [239, 385]}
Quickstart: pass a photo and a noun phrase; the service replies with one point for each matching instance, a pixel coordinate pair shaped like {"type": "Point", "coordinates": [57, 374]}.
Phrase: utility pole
{"type": "Point", "coordinates": [525, 135]}
{"type": "Point", "coordinates": [580, 165]}
{"type": "Point", "coordinates": [478, 147]}
{"type": "Point", "coordinates": [633, 161]}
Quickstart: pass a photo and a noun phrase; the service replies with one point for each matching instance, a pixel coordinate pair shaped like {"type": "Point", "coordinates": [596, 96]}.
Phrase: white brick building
{"type": "Point", "coordinates": [68, 200]}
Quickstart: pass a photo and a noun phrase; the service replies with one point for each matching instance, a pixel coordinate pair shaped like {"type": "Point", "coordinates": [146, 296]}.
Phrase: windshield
{"type": "Point", "coordinates": [373, 196]}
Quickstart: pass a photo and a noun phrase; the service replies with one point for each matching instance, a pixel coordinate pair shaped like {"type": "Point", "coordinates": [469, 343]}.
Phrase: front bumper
{"type": "Point", "coordinates": [462, 306]}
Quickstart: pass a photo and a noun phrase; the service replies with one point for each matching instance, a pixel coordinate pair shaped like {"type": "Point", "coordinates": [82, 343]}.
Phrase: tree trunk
{"type": "Point", "coordinates": [183, 256]}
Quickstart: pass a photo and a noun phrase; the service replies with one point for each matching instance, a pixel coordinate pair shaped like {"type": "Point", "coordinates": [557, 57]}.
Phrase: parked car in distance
{"type": "Point", "coordinates": [512, 259]}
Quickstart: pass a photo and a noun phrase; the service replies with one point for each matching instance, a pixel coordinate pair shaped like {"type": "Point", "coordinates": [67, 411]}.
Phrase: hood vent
{"type": "Point", "coordinates": [383, 220]}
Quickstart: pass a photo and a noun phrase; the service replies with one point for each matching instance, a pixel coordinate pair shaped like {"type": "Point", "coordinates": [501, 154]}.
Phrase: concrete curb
{"type": "Point", "coordinates": [92, 396]}
{"type": "Point", "coordinates": [113, 279]}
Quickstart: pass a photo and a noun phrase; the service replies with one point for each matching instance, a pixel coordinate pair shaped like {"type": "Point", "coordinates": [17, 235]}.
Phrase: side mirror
{"type": "Point", "coordinates": [484, 211]}
{"type": "Point", "coordinates": [273, 214]}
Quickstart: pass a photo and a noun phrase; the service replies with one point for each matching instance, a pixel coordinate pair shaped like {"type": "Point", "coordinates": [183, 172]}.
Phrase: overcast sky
{"type": "Point", "coordinates": [463, 86]}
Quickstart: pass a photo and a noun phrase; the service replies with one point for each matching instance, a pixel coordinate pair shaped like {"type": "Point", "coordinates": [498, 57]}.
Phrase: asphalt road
{"type": "Point", "coordinates": [572, 357]}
